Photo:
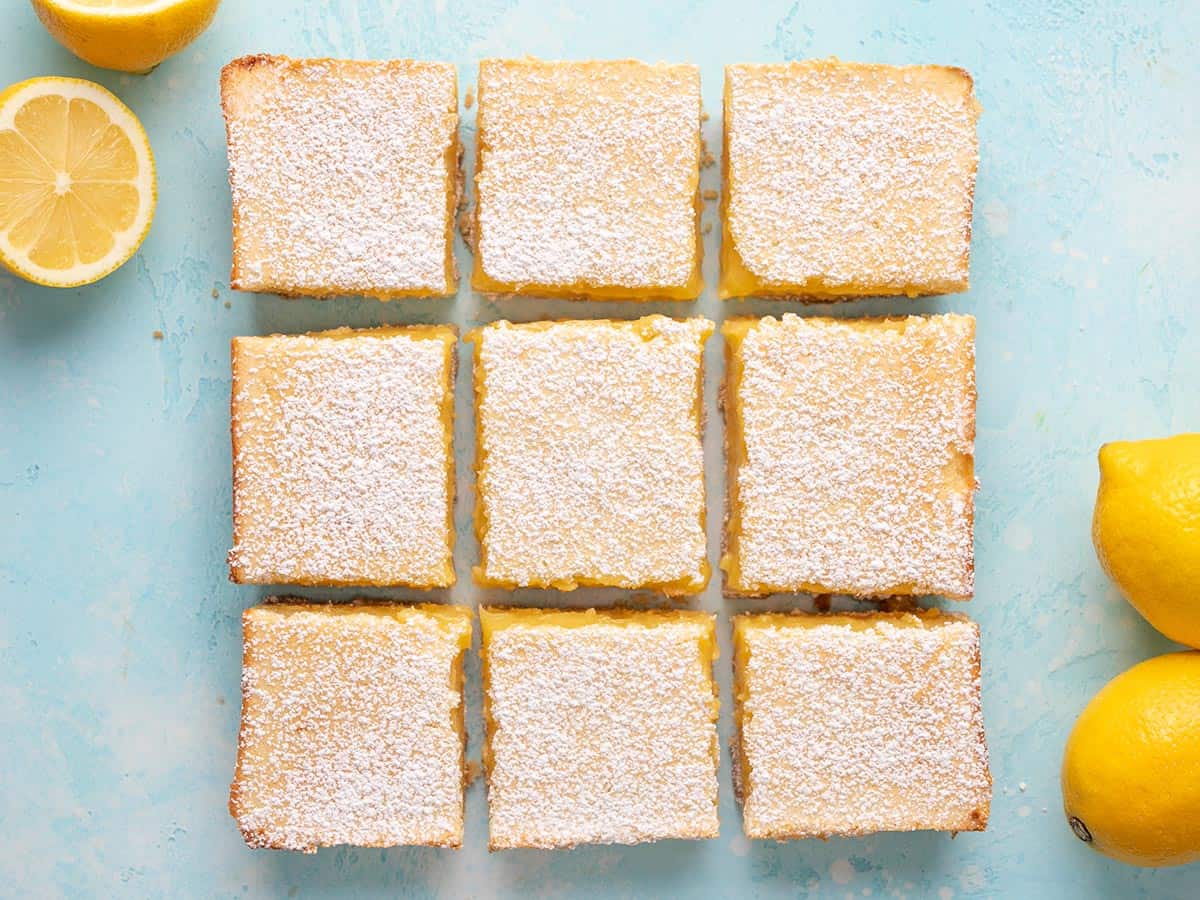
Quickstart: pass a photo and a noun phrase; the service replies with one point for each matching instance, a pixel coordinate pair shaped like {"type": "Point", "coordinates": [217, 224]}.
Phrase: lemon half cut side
{"type": "Point", "coordinates": [77, 181]}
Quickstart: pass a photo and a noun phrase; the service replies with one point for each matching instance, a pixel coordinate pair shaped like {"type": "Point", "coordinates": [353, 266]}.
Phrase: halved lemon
{"type": "Point", "coordinates": [77, 183]}
{"type": "Point", "coordinates": [128, 35]}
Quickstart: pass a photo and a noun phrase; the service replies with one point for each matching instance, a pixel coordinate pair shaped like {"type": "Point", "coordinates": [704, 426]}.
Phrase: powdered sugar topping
{"type": "Point", "coordinates": [341, 458]}
{"type": "Point", "coordinates": [349, 731]}
{"type": "Point", "coordinates": [851, 178]}
{"type": "Point", "coordinates": [604, 733]}
{"type": "Point", "coordinates": [339, 175]}
{"type": "Point", "coordinates": [850, 730]}
{"type": "Point", "coordinates": [592, 464]}
{"type": "Point", "coordinates": [588, 174]}
{"type": "Point", "coordinates": [858, 442]}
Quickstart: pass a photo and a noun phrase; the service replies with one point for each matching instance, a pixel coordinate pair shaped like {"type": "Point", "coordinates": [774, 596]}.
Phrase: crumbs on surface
{"type": "Point", "coordinates": [473, 771]}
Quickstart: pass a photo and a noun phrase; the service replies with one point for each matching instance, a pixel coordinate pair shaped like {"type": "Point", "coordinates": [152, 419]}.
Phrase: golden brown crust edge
{"type": "Point", "coordinates": [723, 405]}
{"type": "Point", "coordinates": [977, 819]}
{"type": "Point", "coordinates": [973, 486]}
{"type": "Point", "coordinates": [976, 110]}
{"type": "Point", "coordinates": [454, 165]}
{"type": "Point", "coordinates": [253, 837]}
{"type": "Point", "coordinates": [479, 517]}
{"type": "Point", "coordinates": [489, 724]}
{"type": "Point", "coordinates": [738, 767]}
{"type": "Point", "coordinates": [237, 573]}
{"type": "Point", "coordinates": [227, 75]}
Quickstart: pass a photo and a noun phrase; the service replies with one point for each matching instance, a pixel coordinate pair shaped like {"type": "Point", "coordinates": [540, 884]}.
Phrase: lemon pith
{"type": "Point", "coordinates": [1146, 529]}
{"type": "Point", "coordinates": [1131, 768]}
{"type": "Point", "coordinates": [77, 181]}
{"type": "Point", "coordinates": [127, 35]}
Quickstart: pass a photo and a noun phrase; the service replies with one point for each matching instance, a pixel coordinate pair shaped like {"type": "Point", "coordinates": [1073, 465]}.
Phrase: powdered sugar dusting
{"type": "Point", "coordinates": [591, 464]}
{"type": "Point", "coordinates": [342, 458]}
{"type": "Point", "coordinates": [604, 733]}
{"type": "Point", "coordinates": [340, 175]}
{"type": "Point", "coordinates": [588, 175]}
{"type": "Point", "coordinates": [851, 179]}
{"type": "Point", "coordinates": [349, 731]}
{"type": "Point", "coordinates": [858, 442]}
{"type": "Point", "coordinates": [854, 728]}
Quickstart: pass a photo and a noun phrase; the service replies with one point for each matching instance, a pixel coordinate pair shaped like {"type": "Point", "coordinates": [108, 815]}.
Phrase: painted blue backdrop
{"type": "Point", "coordinates": [119, 633]}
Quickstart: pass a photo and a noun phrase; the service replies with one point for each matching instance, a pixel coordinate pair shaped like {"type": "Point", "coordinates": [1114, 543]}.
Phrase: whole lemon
{"type": "Point", "coordinates": [127, 35]}
{"type": "Point", "coordinates": [1131, 770]}
{"type": "Point", "coordinates": [1146, 529]}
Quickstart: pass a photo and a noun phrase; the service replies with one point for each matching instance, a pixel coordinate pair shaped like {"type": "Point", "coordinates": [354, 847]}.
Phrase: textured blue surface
{"type": "Point", "coordinates": [119, 634]}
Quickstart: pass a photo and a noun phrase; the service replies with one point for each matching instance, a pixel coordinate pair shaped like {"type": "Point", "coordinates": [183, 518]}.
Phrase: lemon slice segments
{"type": "Point", "coordinates": [77, 181]}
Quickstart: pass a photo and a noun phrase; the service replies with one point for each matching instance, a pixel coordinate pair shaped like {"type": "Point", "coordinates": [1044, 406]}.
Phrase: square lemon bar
{"type": "Point", "coordinates": [343, 472]}
{"type": "Point", "coordinates": [587, 180]}
{"type": "Point", "coordinates": [848, 724]}
{"type": "Point", "coordinates": [589, 458]}
{"type": "Point", "coordinates": [601, 726]}
{"type": "Point", "coordinates": [352, 726]}
{"type": "Point", "coordinates": [345, 175]}
{"type": "Point", "coordinates": [850, 453]}
{"type": "Point", "coordinates": [845, 180]}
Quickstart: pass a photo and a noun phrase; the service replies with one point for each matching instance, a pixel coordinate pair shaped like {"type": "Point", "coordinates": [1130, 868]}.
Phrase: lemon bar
{"type": "Point", "coordinates": [589, 459]}
{"type": "Point", "coordinates": [352, 726]}
{"type": "Point", "coordinates": [601, 726]}
{"type": "Point", "coordinates": [587, 180]}
{"type": "Point", "coordinates": [345, 176]}
{"type": "Point", "coordinates": [854, 723]}
{"type": "Point", "coordinates": [850, 453]}
{"type": "Point", "coordinates": [845, 179]}
{"type": "Point", "coordinates": [343, 472]}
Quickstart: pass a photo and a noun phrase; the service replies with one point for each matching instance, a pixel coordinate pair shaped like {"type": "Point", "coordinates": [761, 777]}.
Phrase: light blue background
{"type": "Point", "coordinates": [119, 633]}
